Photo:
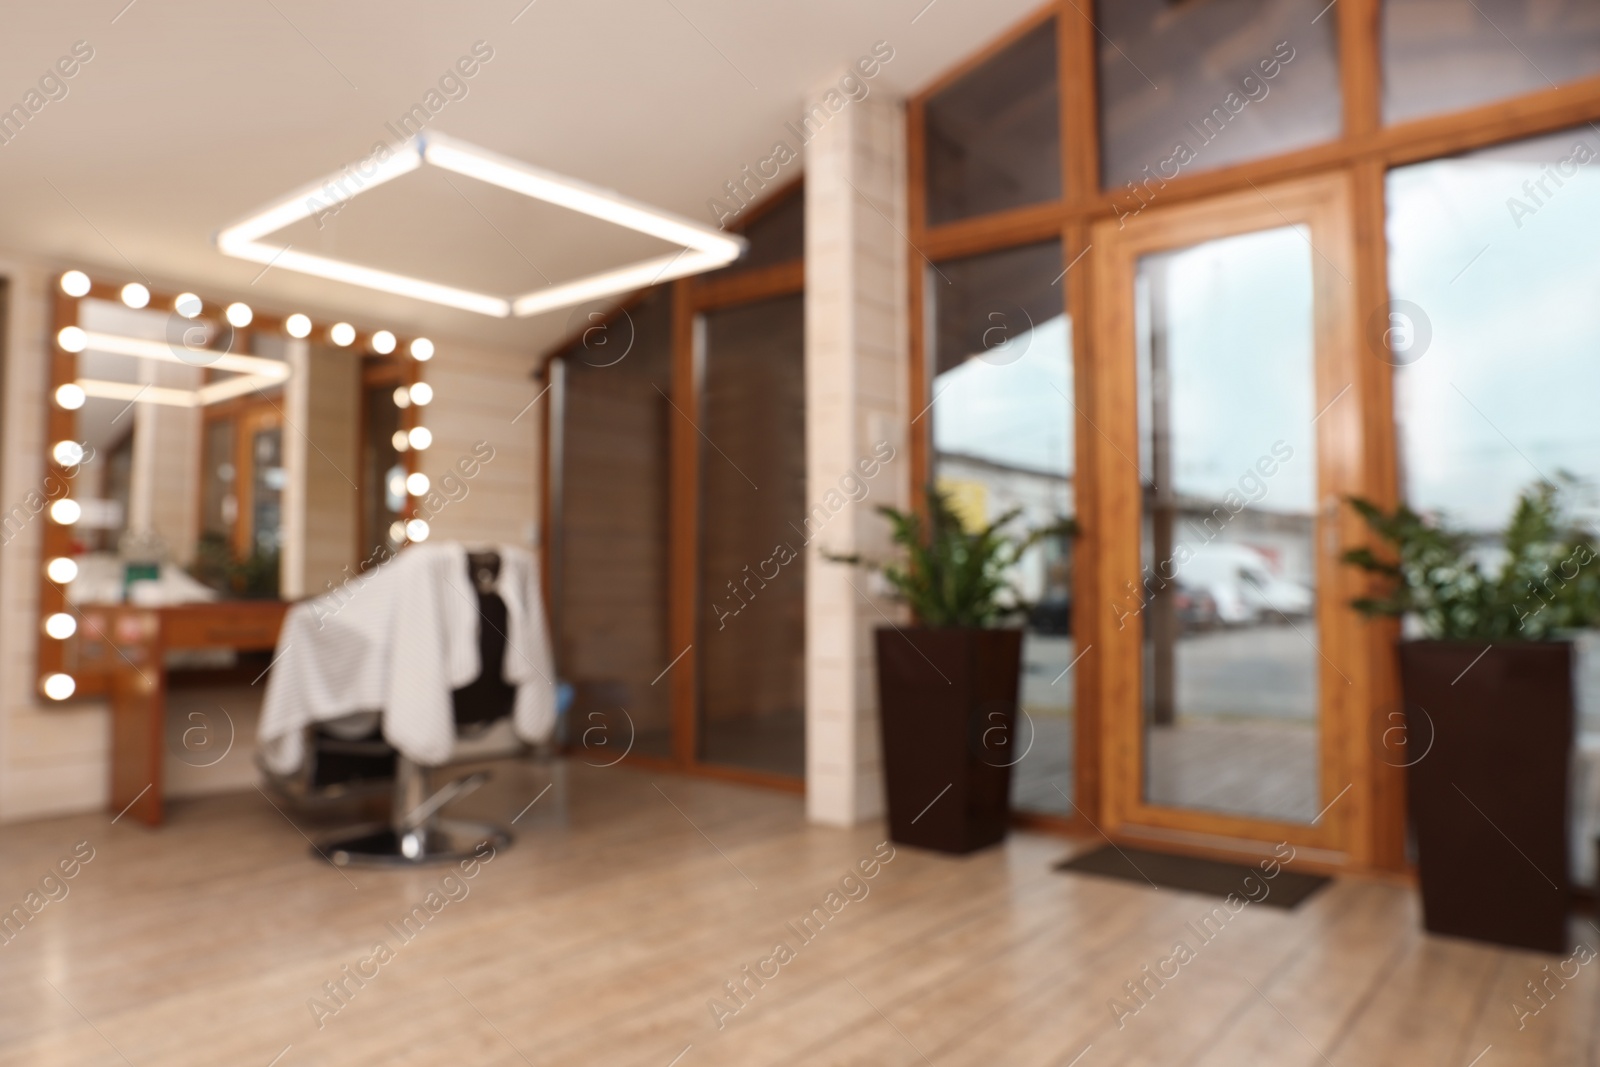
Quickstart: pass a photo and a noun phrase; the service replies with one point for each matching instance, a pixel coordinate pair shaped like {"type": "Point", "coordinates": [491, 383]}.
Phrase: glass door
{"type": "Point", "coordinates": [751, 566]}
{"type": "Point", "coordinates": [1231, 411]}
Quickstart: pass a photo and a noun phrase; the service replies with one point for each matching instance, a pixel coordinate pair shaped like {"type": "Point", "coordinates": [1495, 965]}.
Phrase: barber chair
{"type": "Point", "coordinates": [416, 832]}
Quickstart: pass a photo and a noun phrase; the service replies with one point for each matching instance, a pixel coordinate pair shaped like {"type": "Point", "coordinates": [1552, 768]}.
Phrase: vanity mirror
{"type": "Point", "coordinates": [204, 452]}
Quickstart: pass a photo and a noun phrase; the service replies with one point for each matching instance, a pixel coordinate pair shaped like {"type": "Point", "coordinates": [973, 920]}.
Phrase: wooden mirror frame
{"type": "Point", "coordinates": [52, 654]}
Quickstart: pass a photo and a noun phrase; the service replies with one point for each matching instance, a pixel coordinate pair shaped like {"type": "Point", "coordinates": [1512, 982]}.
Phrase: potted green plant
{"type": "Point", "coordinates": [948, 685]}
{"type": "Point", "coordinates": [1488, 696]}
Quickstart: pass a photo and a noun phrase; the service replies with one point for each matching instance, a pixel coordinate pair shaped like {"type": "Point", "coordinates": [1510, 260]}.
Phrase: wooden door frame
{"type": "Point", "coordinates": [1343, 378]}
{"type": "Point", "coordinates": [690, 299]}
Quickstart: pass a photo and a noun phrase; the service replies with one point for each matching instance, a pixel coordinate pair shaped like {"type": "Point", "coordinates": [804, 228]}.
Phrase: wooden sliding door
{"type": "Point", "coordinates": [1229, 401]}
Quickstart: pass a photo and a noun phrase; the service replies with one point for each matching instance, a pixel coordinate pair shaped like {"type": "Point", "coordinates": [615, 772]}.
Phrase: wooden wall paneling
{"type": "Point", "coordinates": [684, 521]}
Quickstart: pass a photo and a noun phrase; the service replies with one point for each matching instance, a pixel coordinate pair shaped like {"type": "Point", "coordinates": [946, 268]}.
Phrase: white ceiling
{"type": "Point", "coordinates": [193, 112]}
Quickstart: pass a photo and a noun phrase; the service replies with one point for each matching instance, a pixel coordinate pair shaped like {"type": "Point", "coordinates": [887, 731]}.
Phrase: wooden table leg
{"type": "Point", "coordinates": [138, 735]}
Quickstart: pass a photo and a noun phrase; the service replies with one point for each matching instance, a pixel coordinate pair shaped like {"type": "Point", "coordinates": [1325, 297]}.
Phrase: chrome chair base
{"type": "Point", "coordinates": [416, 834]}
{"type": "Point", "coordinates": [437, 841]}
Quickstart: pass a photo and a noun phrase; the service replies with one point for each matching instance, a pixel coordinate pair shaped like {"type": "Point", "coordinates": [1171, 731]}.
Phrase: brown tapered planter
{"type": "Point", "coordinates": [1488, 747]}
{"type": "Point", "coordinates": [947, 704]}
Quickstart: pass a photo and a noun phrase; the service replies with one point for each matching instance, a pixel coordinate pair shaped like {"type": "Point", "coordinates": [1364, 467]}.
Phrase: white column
{"type": "Point", "coordinates": [856, 387]}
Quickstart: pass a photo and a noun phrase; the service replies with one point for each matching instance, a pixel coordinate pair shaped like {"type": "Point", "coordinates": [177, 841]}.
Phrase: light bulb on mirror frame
{"type": "Point", "coordinates": [70, 397]}
{"type": "Point", "coordinates": [59, 686]}
{"type": "Point", "coordinates": [75, 283]}
{"type": "Point", "coordinates": [61, 570]}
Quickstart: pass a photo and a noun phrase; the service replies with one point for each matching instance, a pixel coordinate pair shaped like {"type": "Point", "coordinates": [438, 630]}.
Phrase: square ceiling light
{"type": "Point", "coordinates": [704, 247]}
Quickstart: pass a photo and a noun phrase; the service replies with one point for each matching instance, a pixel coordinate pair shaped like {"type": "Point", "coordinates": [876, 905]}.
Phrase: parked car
{"type": "Point", "coordinates": [1197, 609]}
{"type": "Point", "coordinates": [1052, 616]}
{"type": "Point", "coordinates": [1240, 581]}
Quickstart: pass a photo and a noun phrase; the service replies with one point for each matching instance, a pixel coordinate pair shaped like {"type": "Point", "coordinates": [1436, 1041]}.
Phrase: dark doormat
{"type": "Point", "coordinates": [1192, 875]}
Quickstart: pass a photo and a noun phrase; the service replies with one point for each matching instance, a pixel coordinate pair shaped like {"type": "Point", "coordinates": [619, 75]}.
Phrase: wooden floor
{"type": "Point", "coordinates": [629, 900]}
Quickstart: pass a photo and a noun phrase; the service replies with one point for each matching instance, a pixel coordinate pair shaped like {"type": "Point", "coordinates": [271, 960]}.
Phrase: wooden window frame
{"type": "Point", "coordinates": [1364, 151]}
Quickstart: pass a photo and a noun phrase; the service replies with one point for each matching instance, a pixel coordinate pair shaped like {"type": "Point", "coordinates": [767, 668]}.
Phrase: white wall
{"type": "Point", "coordinates": [53, 758]}
{"type": "Point", "coordinates": [477, 393]}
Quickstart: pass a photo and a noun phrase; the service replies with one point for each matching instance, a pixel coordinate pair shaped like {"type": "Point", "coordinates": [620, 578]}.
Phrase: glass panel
{"type": "Point", "coordinates": [1493, 277]}
{"type": "Point", "coordinates": [383, 472]}
{"type": "Point", "coordinates": [611, 533]}
{"type": "Point", "coordinates": [1002, 439]}
{"type": "Point", "coordinates": [1498, 335]}
{"type": "Point", "coordinates": [1444, 55]}
{"type": "Point", "coordinates": [752, 563]}
{"type": "Point", "coordinates": [776, 236]}
{"type": "Point", "coordinates": [1228, 465]}
{"type": "Point", "coordinates": [1191, 87]}
{"type": "Point", "coordinates": [166, 483]}
{"type": "Point", "coordinates": [993, 138]}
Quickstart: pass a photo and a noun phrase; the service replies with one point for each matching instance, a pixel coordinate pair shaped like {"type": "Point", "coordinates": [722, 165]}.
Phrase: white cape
{"type": "Point", "coordinates": [398, 640]}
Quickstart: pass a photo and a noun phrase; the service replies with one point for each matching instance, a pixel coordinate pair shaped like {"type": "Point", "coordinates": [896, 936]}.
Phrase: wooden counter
{"type": "Point", "coordinates": [132, 643]}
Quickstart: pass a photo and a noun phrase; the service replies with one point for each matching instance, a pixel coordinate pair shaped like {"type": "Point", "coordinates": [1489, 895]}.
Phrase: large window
{"type": "Point", "coordinates": [676, 469]}
{"type": "Point", "coordinates": [1444, 55]}
{"type": "Point", "coordinates": [752, 555]}
{"type": "Point", "coordinates": [1002, 441]}
{"type": "Point", "coordinates": [994, 136]}
{"type": "Point", "coordinates": [1195, 86]}
{"type": "Point", "coordinates": [1188, 114]}
{"type": "Point", "coordinates": [610, 529]}
{"type": "Point", "coordinates": [1495, 324]}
